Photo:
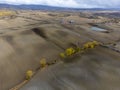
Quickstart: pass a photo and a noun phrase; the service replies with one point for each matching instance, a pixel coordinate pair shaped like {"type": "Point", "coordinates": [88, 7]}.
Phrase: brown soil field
{"type": "Point", "coordinates": [28, 36]}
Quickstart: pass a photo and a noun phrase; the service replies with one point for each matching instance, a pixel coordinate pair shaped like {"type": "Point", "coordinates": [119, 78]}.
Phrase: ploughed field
{"type": "Point", "coordinates": [26, 37]}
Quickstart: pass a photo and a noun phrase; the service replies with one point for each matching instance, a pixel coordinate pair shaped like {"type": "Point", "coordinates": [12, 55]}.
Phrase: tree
{"type": "Point", "coordinates": [62, 55]}
{"type": "Point", "coordinates": [43, 63]}
{"type": "Point", "coordinates": [69, 51]}
{"type": "Point", "coordinates": [29, 74]}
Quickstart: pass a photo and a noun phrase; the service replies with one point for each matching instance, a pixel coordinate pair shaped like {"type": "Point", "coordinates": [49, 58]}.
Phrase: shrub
{"type": "Point", "coordinates": [77, 49]}
{"type": "Point", "coordinates": [43, 63]}
{"type": "Point", "coordinates": [86, 46]}
{"type": "Point", "coordinates": [69, 51]}
{"type": "Point", "coordinates": [29, 74]}
{"type": "Point", "coordinates": [62, 55]}
{"type": "Point", "coordinates": [91, 44]}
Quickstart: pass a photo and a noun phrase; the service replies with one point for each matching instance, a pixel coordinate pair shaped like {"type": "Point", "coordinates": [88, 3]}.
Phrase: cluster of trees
{"type": "Point", "coordinates": [70, 52]}
{"type": "Point", "coordinates": [92, 44]}
{"type": "Point", "coordinates": [67, 53]}
{"type": "Point", "coordinates": [74, 50]}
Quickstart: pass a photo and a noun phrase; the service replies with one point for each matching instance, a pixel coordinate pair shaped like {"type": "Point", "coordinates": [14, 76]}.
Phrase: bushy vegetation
{"type": "Point", "coordinates": [43, 63]}
{"type": "Point", "coordinates": [70, 52]}
{"type": "Point", "coordinates": [92, 44]}
{"type": "Point", "coordinates": [62, 55]}
{"type": "Point", "coordinates": [29, 74]}
{"type": "Point", "coordinates": [74, 50]}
